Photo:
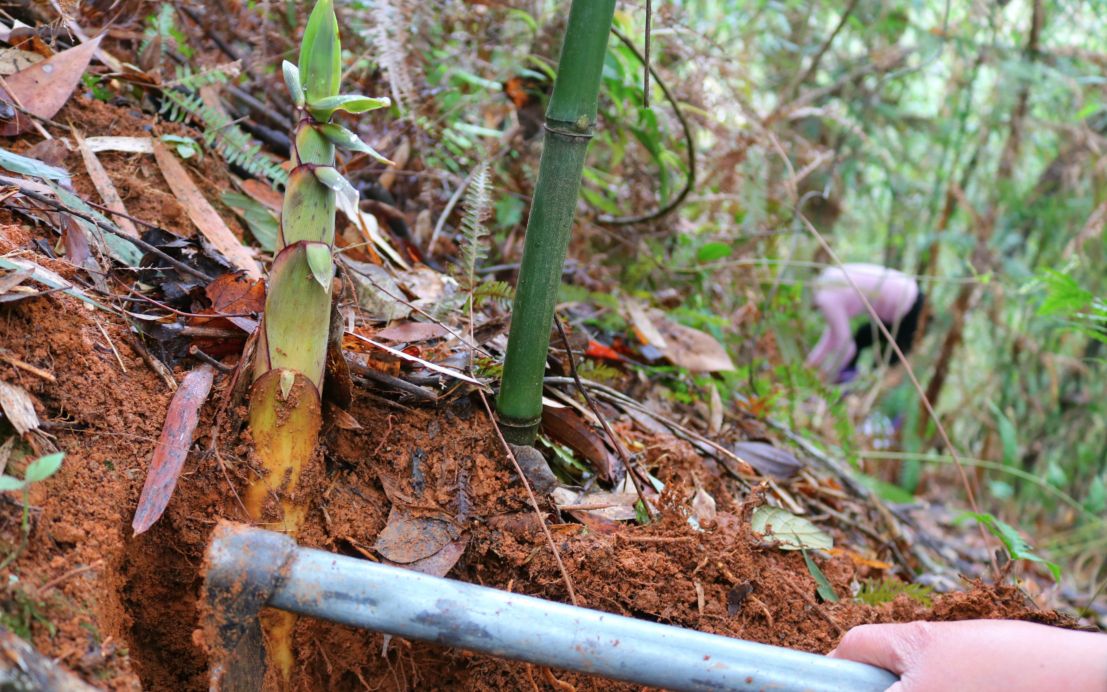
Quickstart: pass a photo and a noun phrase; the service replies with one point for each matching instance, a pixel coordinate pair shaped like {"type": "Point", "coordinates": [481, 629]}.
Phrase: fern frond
{"type": "Point", "coordinates": [484, 366]}
{"type": "Point", "coordinates": [597, 372]}
{"type": "Point", "coordinates": [499, 291]}
{"type": "Point", "coordinates": [391, 22]}
{"type": "Point", "coordinates": [478, 207]}
{"type": "Point", "coordinates": [159, 27]}
{"type": "Point", "coordinates": [194, 81]}
{"type": "Point", "coordinates": [886, 590]}
{"type": "Point", "coordinates": [222, 134]}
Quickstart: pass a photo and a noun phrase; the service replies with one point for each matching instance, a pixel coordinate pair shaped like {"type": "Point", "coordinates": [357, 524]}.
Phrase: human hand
{"type": "Point", "coordinates": [980, 655]}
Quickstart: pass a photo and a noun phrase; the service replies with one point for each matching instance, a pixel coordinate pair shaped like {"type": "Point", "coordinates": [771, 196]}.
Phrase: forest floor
{"type": "Point", "coordinates": [121, 610]}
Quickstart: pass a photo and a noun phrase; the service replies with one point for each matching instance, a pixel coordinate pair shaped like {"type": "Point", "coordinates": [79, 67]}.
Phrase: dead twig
{"type": "Point", "coordinates": [11, 360]}
{"type": "Point", "coordinates": [380, 378]}
{"type": "Point", "coordinates": [111, 345]}
{"type": "Point", "coordinates": [71, 573]}
{"type": "Point", "coordinates": [137, 242]}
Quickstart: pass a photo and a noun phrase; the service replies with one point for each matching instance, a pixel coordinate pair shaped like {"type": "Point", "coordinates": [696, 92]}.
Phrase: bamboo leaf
{"type": "Point", "coordinates": [323, 109]}
{"type": "Point", "coordinates": [320, 262]}
{"type": "Point", "coordinates": [263, 223]}
{"type": "Point", "coordinates": [1016, 545]}
{"type": "Point", "coordinates": [25, 165]}
{"type": "Point", "coordinates": [347, 194]}
{"type": "Point", "coordinates": [292, 81]}
{"type": "Point", "coordinates": [120, 249]}
{"type": "Point", "coordinates": [825, 589]}
{"type": "Point", "coordinates": [344, 139]}
{"type": "Point", "coordinates": [320, 53]}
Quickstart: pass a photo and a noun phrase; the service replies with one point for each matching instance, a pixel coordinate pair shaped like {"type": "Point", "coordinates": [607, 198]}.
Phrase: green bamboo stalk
{"type": "Point", "coordinates": [285, 402]}
{"type": "Point", "coordinates": [285, 413]}
{"type": "Point", "coordinates": [570, 119]}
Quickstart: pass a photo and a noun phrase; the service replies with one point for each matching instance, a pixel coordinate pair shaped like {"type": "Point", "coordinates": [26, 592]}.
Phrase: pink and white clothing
{"type": "Point", "coordinates": [891, 293]}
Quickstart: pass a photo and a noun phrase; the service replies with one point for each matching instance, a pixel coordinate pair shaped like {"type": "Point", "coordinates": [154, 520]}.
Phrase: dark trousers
{"type": "Point", "coordinates": [904, 332]}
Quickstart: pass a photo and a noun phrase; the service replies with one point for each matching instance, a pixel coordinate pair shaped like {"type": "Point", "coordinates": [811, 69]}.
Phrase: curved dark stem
{"type": "Point", "coordinates": [646, 56]}
{"type": "Point", "coordinates": [822, 49]}
{"type": "Point", "coordinates": [137, 242]}
{"type": "Point", "coordinates": [690, 181]}
{"type": "Point", "coordinates": [216, 38]}
{"type": "Point", "coordinates": [630, 468]}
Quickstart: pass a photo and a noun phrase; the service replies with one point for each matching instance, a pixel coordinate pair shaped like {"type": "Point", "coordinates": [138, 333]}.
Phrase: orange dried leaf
{"type": "Point", "coordinates": [201, 212]}
{"type": "Point", "coordinates": [233, 297]}
{"type": "Point", "coordinates": [103, 184]}
{"type": "Point", "coordinates": [859, 559]}
{"type": "Point", "coordinates": [263, 194]}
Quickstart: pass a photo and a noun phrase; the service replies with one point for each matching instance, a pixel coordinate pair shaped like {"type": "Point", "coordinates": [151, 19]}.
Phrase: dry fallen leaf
{"type": "Point", "coordinates": [737, 596]}
{"type": "Point", "coordinates": [43, 88]}
{"type": "Point", "coordinates": [690, 348]}
{"type": "Point", "coordinates": [410, 332]}
{"type": "Point", "coordinates": [859, 559]}
{"type": "Point", "coordinates": [235, 298]}
{"type": "Point", "coordinates": [399, 163]}
{"type": "Point", "coordinates": [13, 60]}
{"type": "Point", "coordinates": [715, 410]}
{"type": "Point", "coordinates": [263, 194]}
{"type": "Point", "coordinates": [768, 460]}
{"type": "Point", "coordinates": [52, 152]}
{"type": "Point", "coordinates": [377, 292]}
{"type": "Point", "coordinates": [644, 327]}
{"type": "Point", "coordinates": [201, 212]}
{"type": "Point", "coordinates": [568, 428]}
{"type": "Point", "coordinates": [126, 145]}
{"type": "Point", "coordinates": [18, 407]}
{"type": "Point", "coordinates": [13, 279]}
{"type": "Point", "coordinates": [342, 419]}
{"type": "Point", "coordinates": [787, 530]}
{"type": "Point", "coordinates": [703, 507]}
{"type": "Point", "coordinates": [598, 504]}
{"type": "Point", "coordinates": [407, 538]}
{"type": "Point", "coordinates": [439, 564]}
{"type": "Point", "coordinates": [172, 450]}
{"type": "Point", "coordinates": [429, 287]}
{"type": "Point", "coordinates": [103, 184]}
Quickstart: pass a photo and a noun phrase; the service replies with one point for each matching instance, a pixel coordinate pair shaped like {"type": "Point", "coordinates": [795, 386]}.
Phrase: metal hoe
{"type": "Point", "coordinates": [249, 568]}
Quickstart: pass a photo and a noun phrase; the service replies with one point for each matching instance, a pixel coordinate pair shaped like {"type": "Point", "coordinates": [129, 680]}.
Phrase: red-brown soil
{"type": "Point", "coordinates": [125, 608]}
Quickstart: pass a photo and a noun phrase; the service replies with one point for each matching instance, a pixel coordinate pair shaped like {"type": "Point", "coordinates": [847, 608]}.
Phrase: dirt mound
{"type": "Point", "coordinates": [122, 610]}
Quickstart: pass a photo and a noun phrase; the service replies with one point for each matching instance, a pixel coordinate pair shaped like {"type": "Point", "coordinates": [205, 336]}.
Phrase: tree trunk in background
{"type": "Point", "coordinates": [968, 292]}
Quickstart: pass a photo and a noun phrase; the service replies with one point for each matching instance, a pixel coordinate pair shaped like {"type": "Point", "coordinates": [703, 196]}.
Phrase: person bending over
{"type": "Point", "coordinates": [895, 297]}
